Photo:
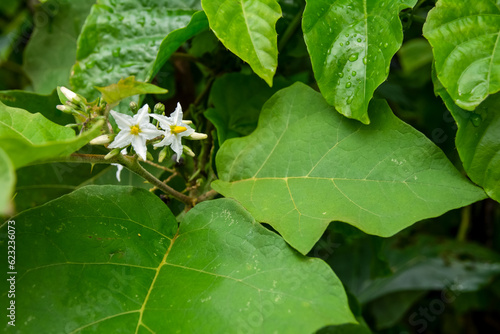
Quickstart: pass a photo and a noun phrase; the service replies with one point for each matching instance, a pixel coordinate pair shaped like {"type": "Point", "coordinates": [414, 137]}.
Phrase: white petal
{"type": "Point", "coordinates": [124, 138]}
{"type": "Point", "coordinates": [176, 146]}
{"type": "Point", "coordinates": [139, 145]}
{"type": "Point", "coordinates": [119, 169]}
{"type": "Point", "coordinates": [150, 133]}
{"type": "Point", "coordinates": [177, 115]}
{"type": "Point", "coordinates": [165, 121]}
{"type": "Point", "coordinates": [167, 141]}
{"type": "Point", "coordinates": [142, 115]}
{"type": "Point", "coordinates": [123, 121]}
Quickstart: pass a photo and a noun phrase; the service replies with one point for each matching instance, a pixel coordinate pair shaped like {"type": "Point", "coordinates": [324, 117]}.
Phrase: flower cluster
{"type": "Point", "coordinates": [137, 130]}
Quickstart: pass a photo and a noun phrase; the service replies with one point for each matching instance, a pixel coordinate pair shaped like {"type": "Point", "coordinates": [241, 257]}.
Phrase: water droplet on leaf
{"type": "Point", "coordinates": [341, 75]}
{"type": "Point", "coordinates": [359, 40]}
{"type": "Point", "coordinates": [354, 73]}
{"type": "Point", "coordinates": [349, 99]}
{"type": "Point", "coordinates": [347, 43]}
{"type": "Point", "coordinates": [116, 52]}
{"type": "Point", "coordinates": [353, 57]}
{"type": "Point", "coordinates": [476, 120]}
{"type": "Point", "coordinates": [348, 85]}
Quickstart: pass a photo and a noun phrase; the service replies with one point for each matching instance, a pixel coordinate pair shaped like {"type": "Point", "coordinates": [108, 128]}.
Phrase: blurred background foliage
{"type": "Point", "coordinates": [441, 275]}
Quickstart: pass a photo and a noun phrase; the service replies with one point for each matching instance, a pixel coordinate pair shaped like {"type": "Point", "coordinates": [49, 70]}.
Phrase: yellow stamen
{"type": "Point", "coordinates": [135, 130]}
{"type": "Point", "coordinates": [177, 129]}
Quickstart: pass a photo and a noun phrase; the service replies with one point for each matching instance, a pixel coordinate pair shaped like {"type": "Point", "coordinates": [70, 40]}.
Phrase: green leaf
{"type": "Point", "coordinates": [51, 50]}
{"type": "Point", "coordinates": [121, 38]}
{"type": "Point", "coordinates": [247, 28]}
{"type": "Point", "coordinates": [306, 165]}
{"type": "Point", "coordinates": [351, 44]}
{"type": "Point", "coordinates": [176, 38]}
{"type": "Point", "coordinates": [122, 265]}
{"type": "Point", "coordinates": [465, 38]}
{"type": "Point", "coordinates": [27, 137]}
{"type": "Point", "coordinates": [237, 100]}
{"type": "Point", "coordinates": [114, 93]}
{"type": "Point", "coordinates": [478, 139]}
{"type": "Point", "coordinates": [7, 182]}
{"type": "Point", "coordinates": [34, 103]}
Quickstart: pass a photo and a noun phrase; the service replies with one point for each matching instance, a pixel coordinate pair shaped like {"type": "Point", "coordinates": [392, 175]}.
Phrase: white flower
{"type": "Point", "coordinates": [175, 129]}
{"type": "Point", "coordinates": [135, 130]}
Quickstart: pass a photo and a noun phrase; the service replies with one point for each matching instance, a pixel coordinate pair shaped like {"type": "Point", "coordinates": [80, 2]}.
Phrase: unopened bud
{"type": "Point", "coordinates": [65, 109]}
{"type": "Point", "coordinates": [149, 156]}
{"type": "Point", "coordinates": [188, 151]}
{"type": "Point", "coordinates": [159, 108]}
{"type": "Point", "coordinates": [162, 155]}
{"type": "Point", "coordinates": [70, 96]}
{"type": "Point", "coordinates": [197, 136]}
{"type": "Point", "coordinates": [133, 107]}
{"type": "Point", "coordinates": [187, 122]}
{"type": "Point", "coordinates": [101, 140]}
{"type": "Point", "coordinates": [112, 154]}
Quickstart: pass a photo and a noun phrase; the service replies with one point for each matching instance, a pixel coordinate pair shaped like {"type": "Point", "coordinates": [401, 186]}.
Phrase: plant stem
{"type": "Point", "coordinates": [464, 224]}
{"type": "Point", "coordinates": [290, 30]}
{"type": "Point", "coordinates": [206, 196]}
{"type": "Point", "coordinates": [160, 166]}
{"type": "Point", "coordinates": [134, 166]}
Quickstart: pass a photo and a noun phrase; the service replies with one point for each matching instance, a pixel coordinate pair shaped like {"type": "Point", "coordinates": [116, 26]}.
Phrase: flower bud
{"type": "Point", "coordinates": [149, 156]}
{"type": "Point", "coordinates": [112, 154]}
{"type": "Point", "coordinates": [101, 140]}
{"type": "Point", "coordinates": [187, 151]}
{"type": "Point", "coordinates": [197, 136]}
{"type": "Point", "coordinates": [159, 108]}
{"type": "Point", "coordinates": [71, 96]}
{"type": "Point", "coordinates": [133, 107]}
{"type": "Point", "coordinates": [65, 109]}
{"type": "Point", "coordinates": [162, 155]}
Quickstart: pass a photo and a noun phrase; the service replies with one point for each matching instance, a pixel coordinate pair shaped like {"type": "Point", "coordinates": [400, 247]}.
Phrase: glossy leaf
{"type": "Point", "coordinates": [247, 28]}
{"type": "Point", "coordinates": [237, 100]}
{"type": "Point", "coordinates": [478, 140]}
{"type": "Point", "coordinates": [121, 38]}
{"type": "Point", "coordinates": [351, 44]}
{"type": "Point", "coordinates": [306, 165]}
{"type": "Point", "coordinates": [7, 181]}
{"type": "Point", "coordinates": [121, 265]}
{"type": "Point", "coordinates": [176, 38]}
{"type": "Point", "coordinates": [51, 51]}
{"type": "Point", "coordinates": [127, 87]}
{"type": "Point", "coordinates": [27, 137]}
{"type": "Point", "coordinates": [465, 38]}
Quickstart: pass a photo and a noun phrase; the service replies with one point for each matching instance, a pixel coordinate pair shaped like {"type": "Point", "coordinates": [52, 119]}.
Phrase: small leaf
{"type": "Point", "coordinates": [478, 139]}
{"type": "Point", "coordinates": [121, 38]}
{"type": "Point", "coordinates": [114, 93]}
{"type": "Point", "coordinates": [122, 265]}
{"type": "Point", "coordinates": [465, 36]}
{"type": "Point", "coordinates": [247, 28]}
{"type": "Point", "coordinates": [27, 137]}
{"type": "Point", "coordinates": [351, 44]}
{"type": "Point", "coordinates": [51, 50]}
{"type": "Point", "coordinates": [306, 165]}
{"type": "Point", "coordinates": [7, 182]}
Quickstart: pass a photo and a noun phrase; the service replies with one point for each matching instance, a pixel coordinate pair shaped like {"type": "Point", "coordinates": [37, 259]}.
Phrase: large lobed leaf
{"type": "Point", "coordinates": [247, 28]}
{"type": "Point", "coordinates": [121, 38]}
{"type": "Point", "coordinates": [465, 36]}
{"type": "Point", "coordinates": [351, 44]}
{"type": "Point", "coordinates": [478, 139]}
{"type": "Point", "coordinates": [306, 165]}
{"type": "Point", "coordinates": [122, 265]}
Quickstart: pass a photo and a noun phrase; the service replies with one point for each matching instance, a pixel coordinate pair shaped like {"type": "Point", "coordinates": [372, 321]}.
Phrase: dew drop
{"type": "Point", "coordinates": [476, 120]}
{"type": "Point", "coordinates": [386, 45]}
{"type": "Point", "coordinates": [347, 43]}
{"type": "Point", "coordinates": [116, 52]}
{"type": "Point", "coordinates": [348, 85]}
{"type": "Point", "coordinates": [341, 44]}
{"type": "Point", "coordinates": [354, 73]}
{"type": "Point", "coordinates": [90, 64]}
{"type": "Point", "coordinates": [153, 23]}
{"type": "Point", "coordinates": [359, 40]}
{"type": "Point", "coordinates": [341, 75]}
{"type": "Point", "coordinates": [346, 35]}
{"type": "Point", "coordinates": [353, 57]}
{"type": "Point", "coordinates": [365, 60]}
{"type": "Point", "coordinates": [349, 99]}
